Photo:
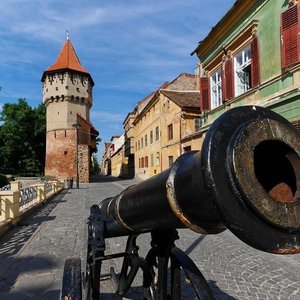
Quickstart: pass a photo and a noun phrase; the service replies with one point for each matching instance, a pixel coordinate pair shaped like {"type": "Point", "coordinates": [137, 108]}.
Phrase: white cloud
{"type": "Point", "coordinates": [105, 116]}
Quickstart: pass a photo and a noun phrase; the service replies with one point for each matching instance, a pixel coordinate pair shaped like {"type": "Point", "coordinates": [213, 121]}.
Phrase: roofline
{"type": "Point", "coordinates": [88, 122]}
{"type": "Point", "coordinates": [214, 28]}
{"type": "Point", "coordinates": [68, 70]}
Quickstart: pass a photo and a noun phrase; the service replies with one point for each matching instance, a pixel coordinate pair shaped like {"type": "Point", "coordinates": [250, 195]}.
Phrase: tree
{"type": "Point", "coordinates": [22, 137]}
{"type": "Point", "coordinates": [96, 167]}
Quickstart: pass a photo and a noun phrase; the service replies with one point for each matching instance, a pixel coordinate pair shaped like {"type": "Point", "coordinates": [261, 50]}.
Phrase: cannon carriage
{"type": "Point", "coordinates": [246, 178]}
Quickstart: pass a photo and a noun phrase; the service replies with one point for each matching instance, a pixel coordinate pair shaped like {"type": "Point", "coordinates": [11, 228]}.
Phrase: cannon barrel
{"type": "Point", "coordinates": [246, 178]}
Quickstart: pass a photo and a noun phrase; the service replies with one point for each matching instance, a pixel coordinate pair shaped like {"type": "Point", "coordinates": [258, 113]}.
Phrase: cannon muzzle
{"type": "Point", "coordinates": [246, 178]}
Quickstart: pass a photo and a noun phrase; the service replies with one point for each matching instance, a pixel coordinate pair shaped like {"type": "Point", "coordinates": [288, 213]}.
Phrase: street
{"type": "Point", "coordinates": [32, 255]}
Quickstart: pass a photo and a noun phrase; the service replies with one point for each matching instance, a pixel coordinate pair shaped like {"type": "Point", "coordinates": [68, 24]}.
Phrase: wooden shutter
{"type": "Point", "coordinates": [255, 71]}
{"type": "Point", "coordinates": [223, 82]}
{"type": "Point", "coordinates": [204, 93]}
{"type": "Point", "coordinates": [228, 80]}
{"type": "Point", "coordinates": [290, 46]}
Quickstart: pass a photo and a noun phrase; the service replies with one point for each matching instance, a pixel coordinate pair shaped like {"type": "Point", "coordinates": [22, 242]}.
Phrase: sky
{"type": "Point", "coordinates": [130, 48]}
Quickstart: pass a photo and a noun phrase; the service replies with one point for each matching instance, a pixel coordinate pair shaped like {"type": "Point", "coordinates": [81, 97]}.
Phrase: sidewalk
{"type": "Point", "coordinates": [32, 255]}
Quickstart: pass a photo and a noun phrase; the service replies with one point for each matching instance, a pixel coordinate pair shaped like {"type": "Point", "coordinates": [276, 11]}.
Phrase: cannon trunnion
{"type": "Point", "coordinates": [246, 178]}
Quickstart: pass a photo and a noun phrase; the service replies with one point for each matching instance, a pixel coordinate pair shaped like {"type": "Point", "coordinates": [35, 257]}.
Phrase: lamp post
{"type": "Point", "coordinates": [76, 126]}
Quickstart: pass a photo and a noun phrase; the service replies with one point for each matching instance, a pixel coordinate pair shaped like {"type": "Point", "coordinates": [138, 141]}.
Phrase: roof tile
{"type": "Point", "coordinates": [67, 59]}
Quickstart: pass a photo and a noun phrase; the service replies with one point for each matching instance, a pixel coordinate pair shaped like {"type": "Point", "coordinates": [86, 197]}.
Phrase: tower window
{"type": "Point", "coordinates": [65, 152]}
{"type": "Point", "coordinates": [56, 88]}
{"type": "Point", "coordinates": [67, 87]}
{"type": "Point", "coordinates": [70, 112]}
{"type": "Point", "coordinates": [77, 89]}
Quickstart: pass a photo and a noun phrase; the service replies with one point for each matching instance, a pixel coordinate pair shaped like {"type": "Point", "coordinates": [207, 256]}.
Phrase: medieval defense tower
{"type": "Point", "coordinates": [71, 138]}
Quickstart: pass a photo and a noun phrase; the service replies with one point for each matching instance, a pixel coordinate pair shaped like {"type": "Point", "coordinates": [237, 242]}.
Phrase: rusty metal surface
{"type": "Point", "coordinates": [246, 178]}
{"type": "Point", "coordinates": [264, 172]}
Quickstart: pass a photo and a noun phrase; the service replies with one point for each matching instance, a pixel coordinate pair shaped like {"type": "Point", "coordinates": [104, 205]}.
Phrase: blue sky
{"type": "Point", "coordinates": [129, 47]}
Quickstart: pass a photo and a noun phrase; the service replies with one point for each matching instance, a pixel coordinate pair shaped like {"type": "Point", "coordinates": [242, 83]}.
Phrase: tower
{"type": "Point", "coordinates": [71, 138]}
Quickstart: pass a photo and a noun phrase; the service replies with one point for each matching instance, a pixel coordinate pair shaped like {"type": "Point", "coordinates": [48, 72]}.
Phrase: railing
{"type": "Point", "coordinates": [49, 187]}
{"type": "Point", "coordinates": [16, 200]}
{"type": "Point", "coordinates": [27, 196]}
{"type": "Point", "coordinates": [6, 188]}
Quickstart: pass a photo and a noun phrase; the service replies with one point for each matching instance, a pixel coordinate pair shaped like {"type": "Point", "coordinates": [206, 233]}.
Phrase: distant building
{"type": "Point", "coordinates": [106, 160]}
{"type": "Point", "coordinates": [162, 126]}
{"type": "Point", "coordinates": [71, 138]}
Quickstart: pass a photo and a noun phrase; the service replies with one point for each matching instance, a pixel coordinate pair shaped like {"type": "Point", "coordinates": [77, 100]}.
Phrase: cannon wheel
{"type": "Point", "coordinates": [72, 283]}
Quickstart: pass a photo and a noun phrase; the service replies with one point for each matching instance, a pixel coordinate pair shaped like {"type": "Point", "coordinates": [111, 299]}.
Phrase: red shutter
{"type": "Point", "coordinates": [229, 79]}
{"type": "Point", "coordinates": [255, 74]}
{"type": "Point", "coordinates": [223, 82]}
{"type": "Point", "coordinates": [204, 93]}
{"type": "Point", "coordinates": [290, 37]}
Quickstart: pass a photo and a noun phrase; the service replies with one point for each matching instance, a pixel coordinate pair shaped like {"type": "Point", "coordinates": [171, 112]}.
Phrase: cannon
{"type": "Point", "coordinates": [246, 178]}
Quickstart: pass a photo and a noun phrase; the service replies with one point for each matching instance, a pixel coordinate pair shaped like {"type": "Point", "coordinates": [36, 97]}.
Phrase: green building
{"type": "Point", "coordinates": [252, 57]}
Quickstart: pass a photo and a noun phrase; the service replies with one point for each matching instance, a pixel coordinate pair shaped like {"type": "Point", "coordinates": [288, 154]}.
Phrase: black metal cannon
{"type": "Point", "coordinates": [246, 178]}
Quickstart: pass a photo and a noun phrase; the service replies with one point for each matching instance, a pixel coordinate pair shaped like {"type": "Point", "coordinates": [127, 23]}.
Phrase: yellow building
{"type": "Point", "coordinates": [166, 126]}
{"type": "Point", "coordinates": [119, 163]}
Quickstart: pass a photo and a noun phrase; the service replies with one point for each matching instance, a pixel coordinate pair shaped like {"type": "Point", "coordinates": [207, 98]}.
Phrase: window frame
{"type": "Point", "coordinates": [198, 126]}
{"type": "Point", "coordinates": [170, 160]}
{"type": "Point", "coordinates": [170, 132]}
{"type": "Point", "coordinates": [216, 94]}
{"type": "Point", "coordinates": [157, 133]}
{"type": "Point", "coordinates": [246, 64]}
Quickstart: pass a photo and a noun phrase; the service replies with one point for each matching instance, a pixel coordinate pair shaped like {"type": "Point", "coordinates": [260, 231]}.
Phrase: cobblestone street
{"type": "Point", "coordinates": [32, 255]}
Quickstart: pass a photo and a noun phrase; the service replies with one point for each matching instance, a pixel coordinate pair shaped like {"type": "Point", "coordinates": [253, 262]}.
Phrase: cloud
{"type": "Point", "coordinates": [105, 116]}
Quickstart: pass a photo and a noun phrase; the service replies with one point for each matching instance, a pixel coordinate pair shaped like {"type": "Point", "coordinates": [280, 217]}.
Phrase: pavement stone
{"type": "Point", "coordinates": [32, 254]}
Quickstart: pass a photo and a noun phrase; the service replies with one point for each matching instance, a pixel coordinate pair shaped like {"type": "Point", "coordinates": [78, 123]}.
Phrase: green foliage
{"type": "Point", "coordinates": [3, 181]}
{"type": "Point", "coordinates": [22, 137]}
{"type": "Point", "coordinates": [96, 167]}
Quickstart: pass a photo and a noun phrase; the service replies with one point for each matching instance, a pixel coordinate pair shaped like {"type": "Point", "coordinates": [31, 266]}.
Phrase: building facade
{"type": "Point", "coordinates": [252, 57]}
{"type": "Point", "coordinates": [162, 121]}
{"type": "Point", "coordinates": [71, 138]}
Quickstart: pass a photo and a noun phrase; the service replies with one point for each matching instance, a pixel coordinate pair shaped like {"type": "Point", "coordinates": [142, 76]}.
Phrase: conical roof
{"type": "Point", "coordinates": [67, 60]}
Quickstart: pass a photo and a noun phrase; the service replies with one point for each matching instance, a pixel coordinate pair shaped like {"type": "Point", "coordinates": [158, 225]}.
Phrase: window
{"type": "Point", "coordinates": [290, 38]}
{"type": "Point", "coordinates": [197, 124]}
{"type": "Point", "coordinates": [236, 75]}
{"type": "Point", "coordinates": [171, 160]}
{"type": "Point", "coordinates": [170, 131]}
{"type": "Point", "coordinates": [146, 140]}
{"type": "Point", "coordinates": [151, 137]}
{"type": "Point", "coordinates": [151, 160]}
{"type": "Point", "coordinates": [142, 143]}
{"type": "Point", "coordinates": [135, 145]}
{"type": "Point", "coordinates": [142, 162]}
{"type": "Point", "coordinates": [216, 89]}
{"type": "Point", "coordinates": [242, 67]}
{"type": "Point", "coordinates": [139, 145]}
{"type": "Point", "coordinates": [157, 133]}
{"type": "Point", "coordinates": [187, 149]}
{"type": "Point", "coordinates": [157, 158]}
{"type": "Point", "coordinates": [146, 161]}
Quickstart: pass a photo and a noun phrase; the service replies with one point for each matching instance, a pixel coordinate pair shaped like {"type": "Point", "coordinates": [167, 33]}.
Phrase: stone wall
{"type": "Point", "coordinates": [84, 163]}
{"type": "Point", "coordinates": [61, 154]}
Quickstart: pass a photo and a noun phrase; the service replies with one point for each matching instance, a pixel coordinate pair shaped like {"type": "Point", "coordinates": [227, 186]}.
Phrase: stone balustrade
{"type": "Point", "coordinates": [15, 201]}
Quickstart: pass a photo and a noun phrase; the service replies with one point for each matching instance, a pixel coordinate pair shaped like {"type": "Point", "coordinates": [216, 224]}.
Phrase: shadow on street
{"type": "Point", "coordinates": [104, 178]}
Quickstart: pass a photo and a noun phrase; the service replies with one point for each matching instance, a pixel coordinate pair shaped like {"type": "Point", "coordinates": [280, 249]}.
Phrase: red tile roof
{"type": "Point", "coordinates": [185, 100]}
{"type": "Point", "coordinates": [87, 122]}
{"type": "Point", "coordinates": [67, 59]}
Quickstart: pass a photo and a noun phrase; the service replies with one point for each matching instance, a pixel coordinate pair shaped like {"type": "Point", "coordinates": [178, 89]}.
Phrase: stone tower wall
{"type": "Point", "coordinates": [61, 154]}
{"type": "Point", "coordinates": [84, 163]}
{"type": "Point", "coordinates": [67, 93]}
